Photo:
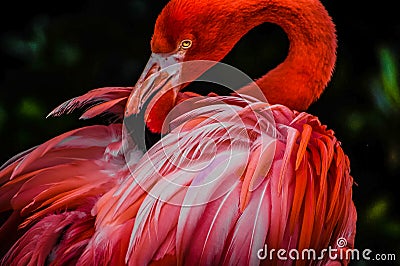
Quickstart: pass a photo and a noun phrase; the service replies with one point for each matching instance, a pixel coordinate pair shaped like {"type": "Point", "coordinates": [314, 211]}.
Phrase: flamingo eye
{"type": "Point", "coordinates": [185, 44]}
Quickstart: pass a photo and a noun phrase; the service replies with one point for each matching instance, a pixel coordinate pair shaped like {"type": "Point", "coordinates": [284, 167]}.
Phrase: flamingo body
{"type": "Point", "coordinates": [287, 210]}
{"type": "Point", "coordinates": [231, 175]}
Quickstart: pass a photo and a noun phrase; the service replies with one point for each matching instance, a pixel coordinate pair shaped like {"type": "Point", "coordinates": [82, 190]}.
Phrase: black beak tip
{"type": "Point", "coordinates": [139, 133]}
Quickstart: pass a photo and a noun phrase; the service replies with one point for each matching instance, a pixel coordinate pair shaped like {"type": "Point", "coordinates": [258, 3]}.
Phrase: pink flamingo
{"type": "Point", "coordinates": [72, 200]}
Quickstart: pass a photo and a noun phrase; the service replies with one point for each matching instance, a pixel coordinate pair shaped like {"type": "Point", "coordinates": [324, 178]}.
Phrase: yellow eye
{"type": "Point", "coordinates": [186, 44]}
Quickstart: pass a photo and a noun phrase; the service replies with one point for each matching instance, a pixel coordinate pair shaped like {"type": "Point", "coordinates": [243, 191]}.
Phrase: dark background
{"type": "Point", "coordinates": [53, 51]}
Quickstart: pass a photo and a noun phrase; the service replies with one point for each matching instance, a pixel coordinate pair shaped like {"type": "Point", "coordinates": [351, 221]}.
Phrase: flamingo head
{"type": "Point", "coordinates": [184, 31]}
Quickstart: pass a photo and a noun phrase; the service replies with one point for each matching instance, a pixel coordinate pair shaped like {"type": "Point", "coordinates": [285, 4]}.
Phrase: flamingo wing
{"type": "Point", "coordinates": [225, 182]}
{"type": "Point", "coordinates": [47, 194]}
{"type": "Point", "coordinates": [99, 101]}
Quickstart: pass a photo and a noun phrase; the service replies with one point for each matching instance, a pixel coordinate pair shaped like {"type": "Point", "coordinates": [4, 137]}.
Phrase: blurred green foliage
{"type": "Point", "coordinates": [389, 76]}
{"type": "Point", "coordinates": [52, 52]}
{"type": "Point", "coordinates": [31, 47]}
{"type": "Point", "coordinates": [31, 109]}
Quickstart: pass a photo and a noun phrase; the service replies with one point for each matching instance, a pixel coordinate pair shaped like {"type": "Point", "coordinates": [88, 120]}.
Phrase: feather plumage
{"type": "Point", "coordinates": [97, 101]}
{"type": "Point", "coordinates": [60, 176]}
{"type": "Point", "coordinates": [282, 211]}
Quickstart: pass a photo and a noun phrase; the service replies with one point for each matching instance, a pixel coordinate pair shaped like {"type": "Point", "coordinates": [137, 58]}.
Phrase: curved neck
{"type": "Point", "coordinates": [304, 74]}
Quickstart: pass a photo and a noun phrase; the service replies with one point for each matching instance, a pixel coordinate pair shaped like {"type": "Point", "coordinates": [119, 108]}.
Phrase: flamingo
{"type": "Point", "coordinates": [93, 196]}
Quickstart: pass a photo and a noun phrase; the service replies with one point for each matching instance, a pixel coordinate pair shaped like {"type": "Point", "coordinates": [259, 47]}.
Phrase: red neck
{"type": "Point", "coordinates": [217, 25]}
{"type": "Point", "coordinates": [302, 77]}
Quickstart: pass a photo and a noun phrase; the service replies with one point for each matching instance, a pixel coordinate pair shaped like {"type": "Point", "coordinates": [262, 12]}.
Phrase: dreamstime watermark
{"type": "Point", "coordinates": [340, 252]}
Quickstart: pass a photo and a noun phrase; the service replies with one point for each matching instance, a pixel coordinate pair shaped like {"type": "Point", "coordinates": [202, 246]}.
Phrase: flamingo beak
{"type": "Point", "coordinates": [161, 74]}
